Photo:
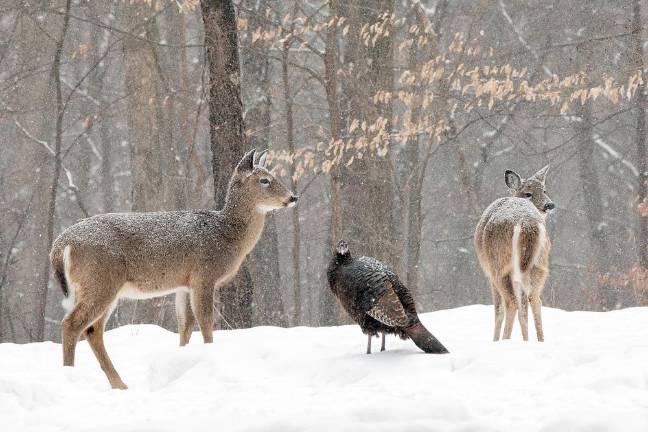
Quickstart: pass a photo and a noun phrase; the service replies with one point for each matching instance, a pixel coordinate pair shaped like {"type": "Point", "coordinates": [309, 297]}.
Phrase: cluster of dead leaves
{"type": "Point", "coordinates": [642, 207]}
{"type": "Point", "coordinates": [458, 78]}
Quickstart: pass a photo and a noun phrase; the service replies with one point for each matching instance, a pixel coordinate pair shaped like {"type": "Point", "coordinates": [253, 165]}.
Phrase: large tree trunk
{"type": "Point", "coordinates": [140, 80]}
{"type": "Point", "coordinates": [178, 110]}
{"type": "Point", "coordinates": [417, 165]}
{"type": "Point", "coordinates": [327, 304]}
{"type": "Point", "coordinates": [290, 138]}
{"type": "Point", "coordinates": [589, 179]}
{"type": "Point", "coordinates": [367, 186]}
{"type": "Point", "coordinates": [226, 135]}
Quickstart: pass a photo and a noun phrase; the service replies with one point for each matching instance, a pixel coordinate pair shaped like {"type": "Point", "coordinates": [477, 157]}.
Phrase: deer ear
{"type": "Point", "coordinates": [542, 174]}
{"type": "Point", "coordinates": [247, 162]}
{"type": "Point", "coordinates": [512, 179]}
{"type": "Point", "coordinates": [261, 159]}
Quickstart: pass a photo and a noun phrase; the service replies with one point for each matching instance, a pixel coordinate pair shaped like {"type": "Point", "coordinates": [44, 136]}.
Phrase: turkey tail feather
{"type": "Point", "coordinates": [425, 340]}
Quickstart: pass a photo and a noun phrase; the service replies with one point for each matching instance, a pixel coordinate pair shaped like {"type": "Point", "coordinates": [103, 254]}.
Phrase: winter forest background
{"type": "Point", "coordinates": [394, 120]}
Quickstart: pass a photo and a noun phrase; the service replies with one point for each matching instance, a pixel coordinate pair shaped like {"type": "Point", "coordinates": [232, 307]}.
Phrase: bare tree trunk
{"type": "Point", "coordinates": [368, 188]}
{"type": "Point", "coordinates": [264, 258]}
{"type": "Point", "coordinates": [7, 259]}
{"type": "Point", "coordinates": [416, 166]}
{"type": "Point", "coordinates": [290, 138]}
{"type": "Point", "coordinates": [99, 82]}
{"type": "Point", "coordinates": [367, 184]}
{"type": "Point", "coordinates": [178, 111]}
{"type": "Point", "coordinates": [589, 180]}
{"type": "Point", "coordinates": [106, 166]}
{"type": "Point", "coordinates": [328, 304]}
{"type": "Point", "coordinates": [226, 130]}
{"type": "Point", "coordinates": [165, 118]}
{"type": "Point", "coordinates": [140, 77]}
{"type": "Point", "coordinates": [140, 80]}
{"type": "Point", "coordinates": [640, 139]}
{"type": "Point", "coordinates": [51, 213]}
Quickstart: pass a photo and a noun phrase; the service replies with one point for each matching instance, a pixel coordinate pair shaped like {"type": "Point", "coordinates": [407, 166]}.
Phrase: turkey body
{"type": "Point", "coordinates": [372, 294]}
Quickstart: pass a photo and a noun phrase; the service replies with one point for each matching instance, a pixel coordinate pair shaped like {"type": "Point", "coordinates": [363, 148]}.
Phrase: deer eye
{"type": "Point", "coordinates": [528, 194]}
{"type": "Point", "coordinates": [264, 181]}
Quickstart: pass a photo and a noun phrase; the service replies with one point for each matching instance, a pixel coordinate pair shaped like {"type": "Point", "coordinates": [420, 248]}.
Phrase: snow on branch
{"type": "Point", "coordinates": [68, 174]}
{"type": "Point", "coordinates": [49, 149]}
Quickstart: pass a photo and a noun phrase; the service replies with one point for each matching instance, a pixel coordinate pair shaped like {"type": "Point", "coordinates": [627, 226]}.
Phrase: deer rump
{"type": "Point", "coordinates": [511, 238]}
{"type": "Point", "coordinates": [527, 246]}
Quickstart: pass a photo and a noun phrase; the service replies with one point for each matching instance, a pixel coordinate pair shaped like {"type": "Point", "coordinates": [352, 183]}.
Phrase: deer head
{"type": "Point", "coordinates": [255, 184]}
{"type": "Point", "coordinates": [532, 188]}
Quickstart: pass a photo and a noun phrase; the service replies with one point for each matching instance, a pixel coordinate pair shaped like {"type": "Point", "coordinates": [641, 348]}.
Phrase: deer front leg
{"type": "Point", "coordinates": [368, 344]}
{"type": "Point", "coordinates": [185, 317]}
{"type": "Point", "coordinates": [202, 302]}
{"type": "Point", "coordinates": [382, 345]}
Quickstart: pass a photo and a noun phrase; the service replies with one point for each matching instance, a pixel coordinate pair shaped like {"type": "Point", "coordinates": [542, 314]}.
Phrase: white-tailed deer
{"type": "Point", "coordinates": [144, 255]}
{"type": "Point", "coordinates": [513, 249]}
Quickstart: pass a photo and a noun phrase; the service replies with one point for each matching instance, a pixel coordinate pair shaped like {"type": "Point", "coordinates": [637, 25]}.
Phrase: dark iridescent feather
{"type": "Point", "coordinates": [371, 293]}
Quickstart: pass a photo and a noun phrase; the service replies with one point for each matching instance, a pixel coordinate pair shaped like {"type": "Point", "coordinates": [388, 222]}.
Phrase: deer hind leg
{"type": "Point", "coordinates": [536, 307]}
{"type": "Point", "coordinates": [510, 303]}
{"type": "Point", "coordinates": [523, 315]}
{"type": "Point", "coordinates": [75, 322]}
{"type": "Point", "coordinates": [202, 302]}
{"type": "Point", "coordinates": [499, 312]}
{"type": "Point", "coordinates": [185, 317]}
{"type": "Point", "coordinates": [511, 309]}
{"type": "Point", "coordinates": [94, 336]}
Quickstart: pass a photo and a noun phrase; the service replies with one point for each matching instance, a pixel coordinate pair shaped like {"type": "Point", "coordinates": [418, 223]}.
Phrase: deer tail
{"type": "Point", "coordinates": [527, 248]}
{"type": "Point", "coordinates": [516, 265]}
{"type": "Point", "coordinates": [62, 271]}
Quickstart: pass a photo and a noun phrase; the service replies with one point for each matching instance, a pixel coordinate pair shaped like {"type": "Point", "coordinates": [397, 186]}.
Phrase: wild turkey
{"type": "Point", "coordinates": [377, 300]}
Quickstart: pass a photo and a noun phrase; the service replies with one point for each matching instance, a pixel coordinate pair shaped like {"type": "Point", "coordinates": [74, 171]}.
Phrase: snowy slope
{"type": "Point", "coordinates": [591, 374]}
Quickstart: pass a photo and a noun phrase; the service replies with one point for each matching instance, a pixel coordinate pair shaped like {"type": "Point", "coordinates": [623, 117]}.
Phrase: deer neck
{"type": "Point", "coordinates": [244, 222]}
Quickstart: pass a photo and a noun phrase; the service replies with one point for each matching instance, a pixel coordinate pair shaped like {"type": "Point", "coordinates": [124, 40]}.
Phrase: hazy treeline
{"type": "Point", "coordinates": [394, 121]}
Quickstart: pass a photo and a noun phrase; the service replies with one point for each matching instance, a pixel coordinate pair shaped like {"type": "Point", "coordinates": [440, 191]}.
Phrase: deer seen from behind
{"type": "Point", "coordinates": [144, 255]}
{"type": "Point", "coordinates": [513, 246]}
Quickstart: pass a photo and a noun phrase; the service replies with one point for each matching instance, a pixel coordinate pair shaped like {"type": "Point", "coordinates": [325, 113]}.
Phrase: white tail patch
{"type": "Point", "coordinates": [69, 301]}
{"type": "Point", "coordinates": [516, 272]}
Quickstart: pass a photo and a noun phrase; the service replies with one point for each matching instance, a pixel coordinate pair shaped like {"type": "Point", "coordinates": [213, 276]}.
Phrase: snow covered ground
{"type": "Point", "coordinates": [590, 375]}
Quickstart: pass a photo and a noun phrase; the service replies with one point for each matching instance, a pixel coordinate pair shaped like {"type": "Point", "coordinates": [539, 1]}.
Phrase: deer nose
{"type": "Point", "coordinates": [549, 206]}
{"type": "Point", "coordinates": [293, 198]}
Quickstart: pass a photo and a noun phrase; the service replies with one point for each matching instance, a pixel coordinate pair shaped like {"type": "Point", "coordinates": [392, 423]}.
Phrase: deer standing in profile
{"type": "Point", "coordinates": [513, 249]}
{"type": "Point", "coordinates": [144, 255]}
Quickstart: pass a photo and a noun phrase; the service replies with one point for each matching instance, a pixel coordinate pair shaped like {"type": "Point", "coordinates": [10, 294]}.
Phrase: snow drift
{"type": "Point", "coordinates": [591, 374]}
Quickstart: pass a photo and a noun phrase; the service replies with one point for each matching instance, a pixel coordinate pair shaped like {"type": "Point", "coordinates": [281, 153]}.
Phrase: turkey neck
{"type": "Point", "coordinates": [342, 259]}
